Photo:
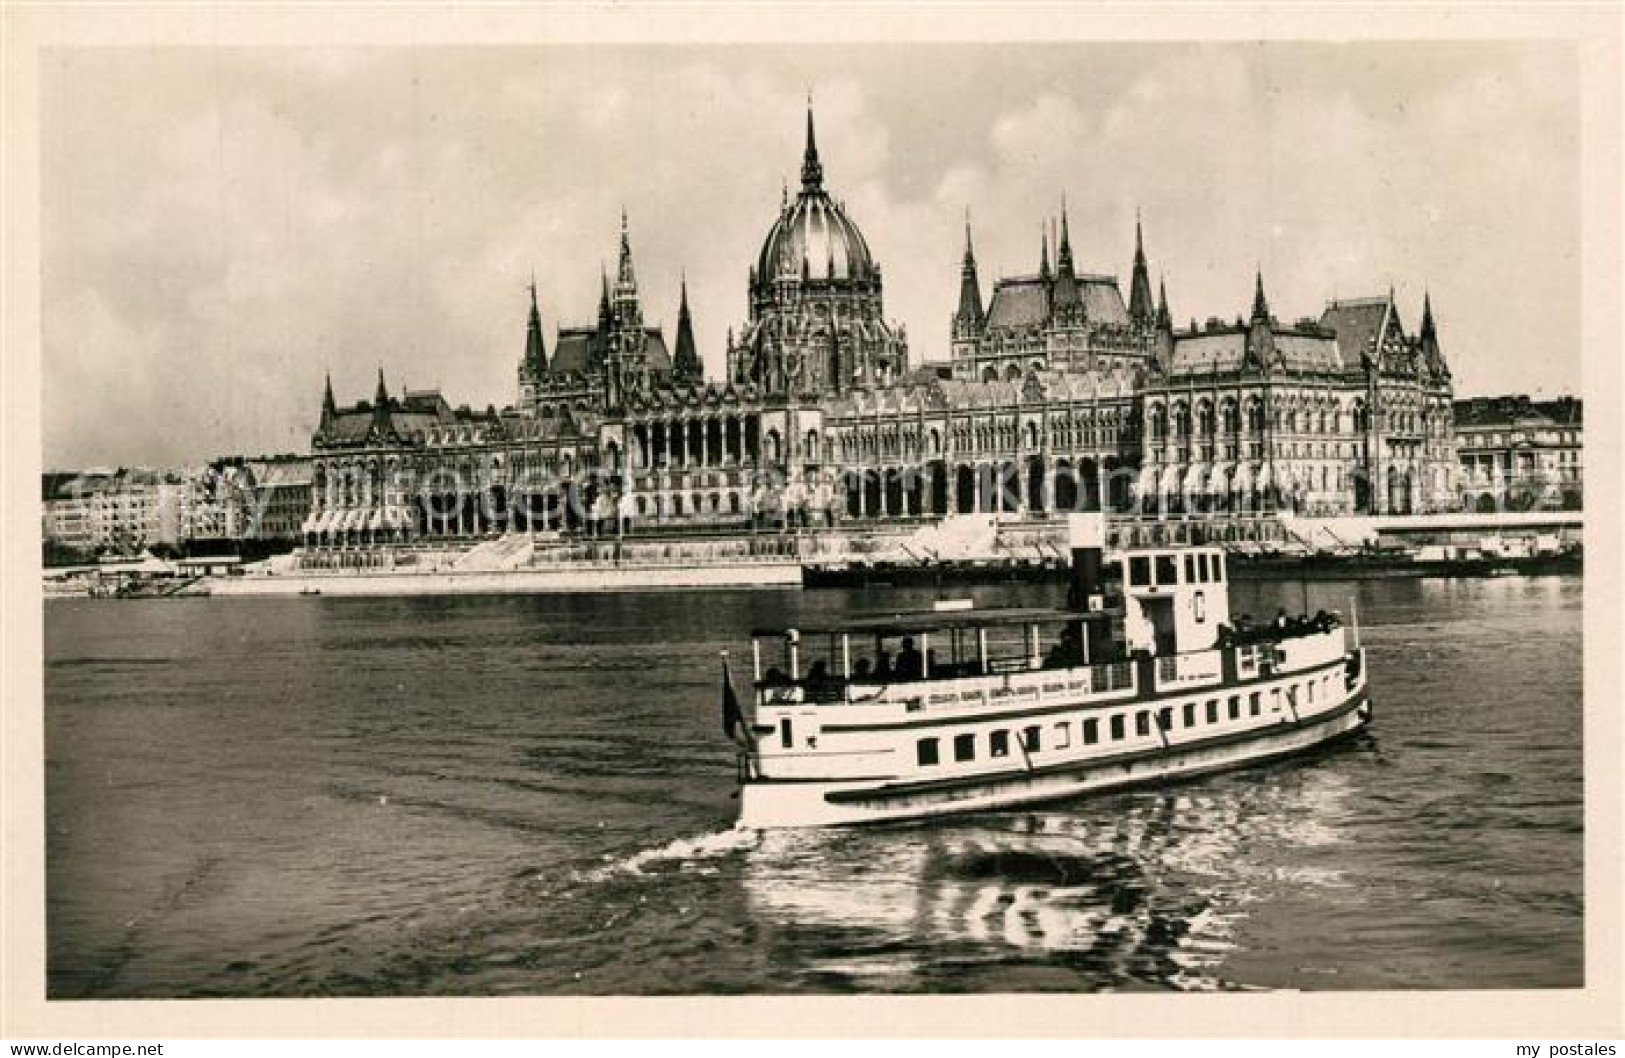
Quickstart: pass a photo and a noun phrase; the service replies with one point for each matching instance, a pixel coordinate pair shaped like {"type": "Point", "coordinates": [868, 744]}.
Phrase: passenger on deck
{"type": "Point", "coordinates": [1067, 651]}
{"type": "Point", "coordinates": [818, 680]}
{"type": "Point", "coordinates": [862, 670]}
{"type": "Point", "coordinates": [883, 669]}
{"type": "Point", "coordinates": [910, 665]}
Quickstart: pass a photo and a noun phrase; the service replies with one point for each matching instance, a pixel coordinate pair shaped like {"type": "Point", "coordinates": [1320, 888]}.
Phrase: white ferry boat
{"type": "Point", "coordinates": [957, 709]}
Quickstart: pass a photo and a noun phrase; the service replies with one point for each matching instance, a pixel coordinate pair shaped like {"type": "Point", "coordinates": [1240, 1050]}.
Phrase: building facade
{"type": "Point", "coordinates": [1058, 394]}
{"type": "Point", "coordinates": [1517, 453]}
{"type": "Point", "coordinates": [1344, 415]}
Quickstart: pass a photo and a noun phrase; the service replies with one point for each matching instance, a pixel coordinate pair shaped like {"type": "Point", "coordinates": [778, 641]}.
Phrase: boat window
{"type": "Point", "coordinates": [1030, 739]}
{"type": "Point", "coordinates": [1292, 696]}
{"type": "Point", "coordinates": [1213, 711]}
{"type": "Point", "coordinates": [1252, 703]}
{"type": "Point", "coordinates": [1190, 569]}
{"type": "Point", "coordinates": [1190, 714]}
{"type": "Point", "coordinates": [1201, 567]}
{"type": "Point", "coordinates": [1142, 723]}
{"type": "Point", "coordinates": [1167, 570]}
{"type": "Point", "coordinates": [1165, 718]}
{"type": "Point", "coordinates": [1235, 707]}
{"type": "Point", "coordinates": [1218, 568]}
{"type": "Point", "coordinates": [1275, 699]}
{"type": "Point", "coordinates": [999, 744]}
{"type": "Point", "coordinates": [964, 747]}
{"type": "Point", "coordinates": [786, 738]}
{"type": "Point", "coordinates": [1063, 735]}
{"type": "Point", "coordinates": [1117, 727]}
{"type": "Point", "coordinates": [1091, 732]}
{"type": "Point", "coordinates": [1311, 692]}
{"type": "Point", "coordinates": [926, 751]}
{"type": "Point", "coordinates": [1139, 571]}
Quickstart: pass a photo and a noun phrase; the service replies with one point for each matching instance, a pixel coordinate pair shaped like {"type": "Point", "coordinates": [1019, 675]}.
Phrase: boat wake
{"type": "Point", "coordinates": [682, 851]}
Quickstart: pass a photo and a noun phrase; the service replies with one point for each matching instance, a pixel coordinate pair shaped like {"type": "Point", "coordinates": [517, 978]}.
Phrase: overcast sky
{"type": "Point", "coordinates": [221, 227]}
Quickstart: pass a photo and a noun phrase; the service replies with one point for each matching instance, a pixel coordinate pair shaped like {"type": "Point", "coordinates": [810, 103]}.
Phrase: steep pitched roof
{"type": "Point", "coordinates": [1102, 301]}
{"type": "Point", "coordinates": [1018, 304]}
{"type": "Point", "coordinates": [1363, 325]}
{"type": "Point", "coordinates": [575, 350]}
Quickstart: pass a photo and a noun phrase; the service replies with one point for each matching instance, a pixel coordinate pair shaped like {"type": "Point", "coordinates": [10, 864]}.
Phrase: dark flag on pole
{"type": "Point", "coordinates": [733, 721]}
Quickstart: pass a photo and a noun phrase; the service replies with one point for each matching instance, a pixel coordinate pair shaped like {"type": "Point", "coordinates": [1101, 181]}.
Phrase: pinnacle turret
{"type": "Point", "coordinates": [812, 172]}
{"type": "Point", "coordinates": [535, 348]}
{"type": "Point", "coordinates": [686, 361]}
{"type": "Point", "coordinates": [1261, 305]}
{"type": "Point", "coordinates": [1141, 309]}
{"type": "Point", "coordinates": [968, 320]}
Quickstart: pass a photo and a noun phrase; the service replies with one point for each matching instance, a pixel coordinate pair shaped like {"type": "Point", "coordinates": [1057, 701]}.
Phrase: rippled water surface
{"type": "Point", "coordinates": [317, 796]}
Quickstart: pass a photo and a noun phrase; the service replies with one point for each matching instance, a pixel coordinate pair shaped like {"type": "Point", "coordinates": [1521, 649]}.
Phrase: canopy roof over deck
{"type": "Point", "coordinates": [935, 621]}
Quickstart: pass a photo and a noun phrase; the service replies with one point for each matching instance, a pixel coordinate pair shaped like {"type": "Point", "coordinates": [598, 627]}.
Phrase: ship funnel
{"type": "Point", "coordinates": [1086, 590]}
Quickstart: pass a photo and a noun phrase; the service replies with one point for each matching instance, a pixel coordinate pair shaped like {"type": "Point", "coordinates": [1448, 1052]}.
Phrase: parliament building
{"type": "Point", "coordinates": [1056, 395]}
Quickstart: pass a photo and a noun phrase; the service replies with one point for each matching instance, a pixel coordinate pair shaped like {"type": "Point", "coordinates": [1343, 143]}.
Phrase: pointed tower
{"type": "Point", "coordinates": [686, 361]}
{"type": "Point", "coordinates": [968, 320]}
{"type": "Point", "coordinates": [535, 348]}
{"type": "Point", "coordinates": [812, 171]}
{"type": "Point", "coordinates": [1140, 307]}
{"type": "Point", "coordinates": [626, 281]}
{"type": "Point", "coordinates": [1428, 339]}
{"type": "Point", "coordinates": [1068, 301]}
{"type": "Point", "coordinates": [1163, 344]}
{"type": "Point", "coordinates": [382, 425]}
{"type": "Point", "coordinates": [1063, 254]}
{"type": "Point", "coordinates": [1260, 332]}
{"type": "Point", "coordinates": [1043, 253]}
{"type": "Point", "coordinates": [329, 409]}
{"type": "Point", "coordinates": [1261, 305]}
{"type": "Point", "coordinates": [625, 357]}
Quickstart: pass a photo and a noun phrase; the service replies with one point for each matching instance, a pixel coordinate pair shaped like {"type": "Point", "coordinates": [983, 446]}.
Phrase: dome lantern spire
{"type": "Point", "coordinates": [812, 171]}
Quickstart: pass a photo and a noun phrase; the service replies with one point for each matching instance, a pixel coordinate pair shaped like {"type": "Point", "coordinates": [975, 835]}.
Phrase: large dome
{"type": "Point", "coordinates": [814, 230]}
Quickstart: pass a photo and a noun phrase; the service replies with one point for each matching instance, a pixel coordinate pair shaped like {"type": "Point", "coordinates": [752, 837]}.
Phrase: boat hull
{"type": "Point", "coordinates": [784, 804]}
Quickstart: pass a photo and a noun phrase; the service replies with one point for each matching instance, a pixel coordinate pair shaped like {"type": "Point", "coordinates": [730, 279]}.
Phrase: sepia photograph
{"type": "Point", "coordinates": [703, 518]}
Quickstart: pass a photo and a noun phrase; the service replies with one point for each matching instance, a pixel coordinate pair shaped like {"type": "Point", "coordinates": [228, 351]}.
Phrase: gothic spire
{"type": "Point", "coordinates": [380, 406]}
{"type": "Point", "coordinates": [1261, 306]}
{"type": "Point", "coordinates": [1428, 332]}
{"type": "Point", "coordinates": [1043, 251]}
{"type": "Point", "coordinates": [535, 348]}
{"type": "Point", "coordinates": [1140, 307]}
{"type": "Point", "coordinates": [1063, 259]}
{"type": "Point", "coordinates": [328, 407]}
{"type": "Point", "coordinates": [812, 173]}
{"type": "Point", "coordinates": [968, 320]}
{"type": "Point", "coordinates": [603, 296]}
{"type": "Point", "coordinates": [626, 284]}
{"type": "Point", "coordinates": [1165, 319]}
{"type": "Point", "coordinates": [686, 363]}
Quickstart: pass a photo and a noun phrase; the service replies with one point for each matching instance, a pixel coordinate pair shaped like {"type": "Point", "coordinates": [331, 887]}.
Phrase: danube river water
{"type": "Point", "coordinates": [509, 796]}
